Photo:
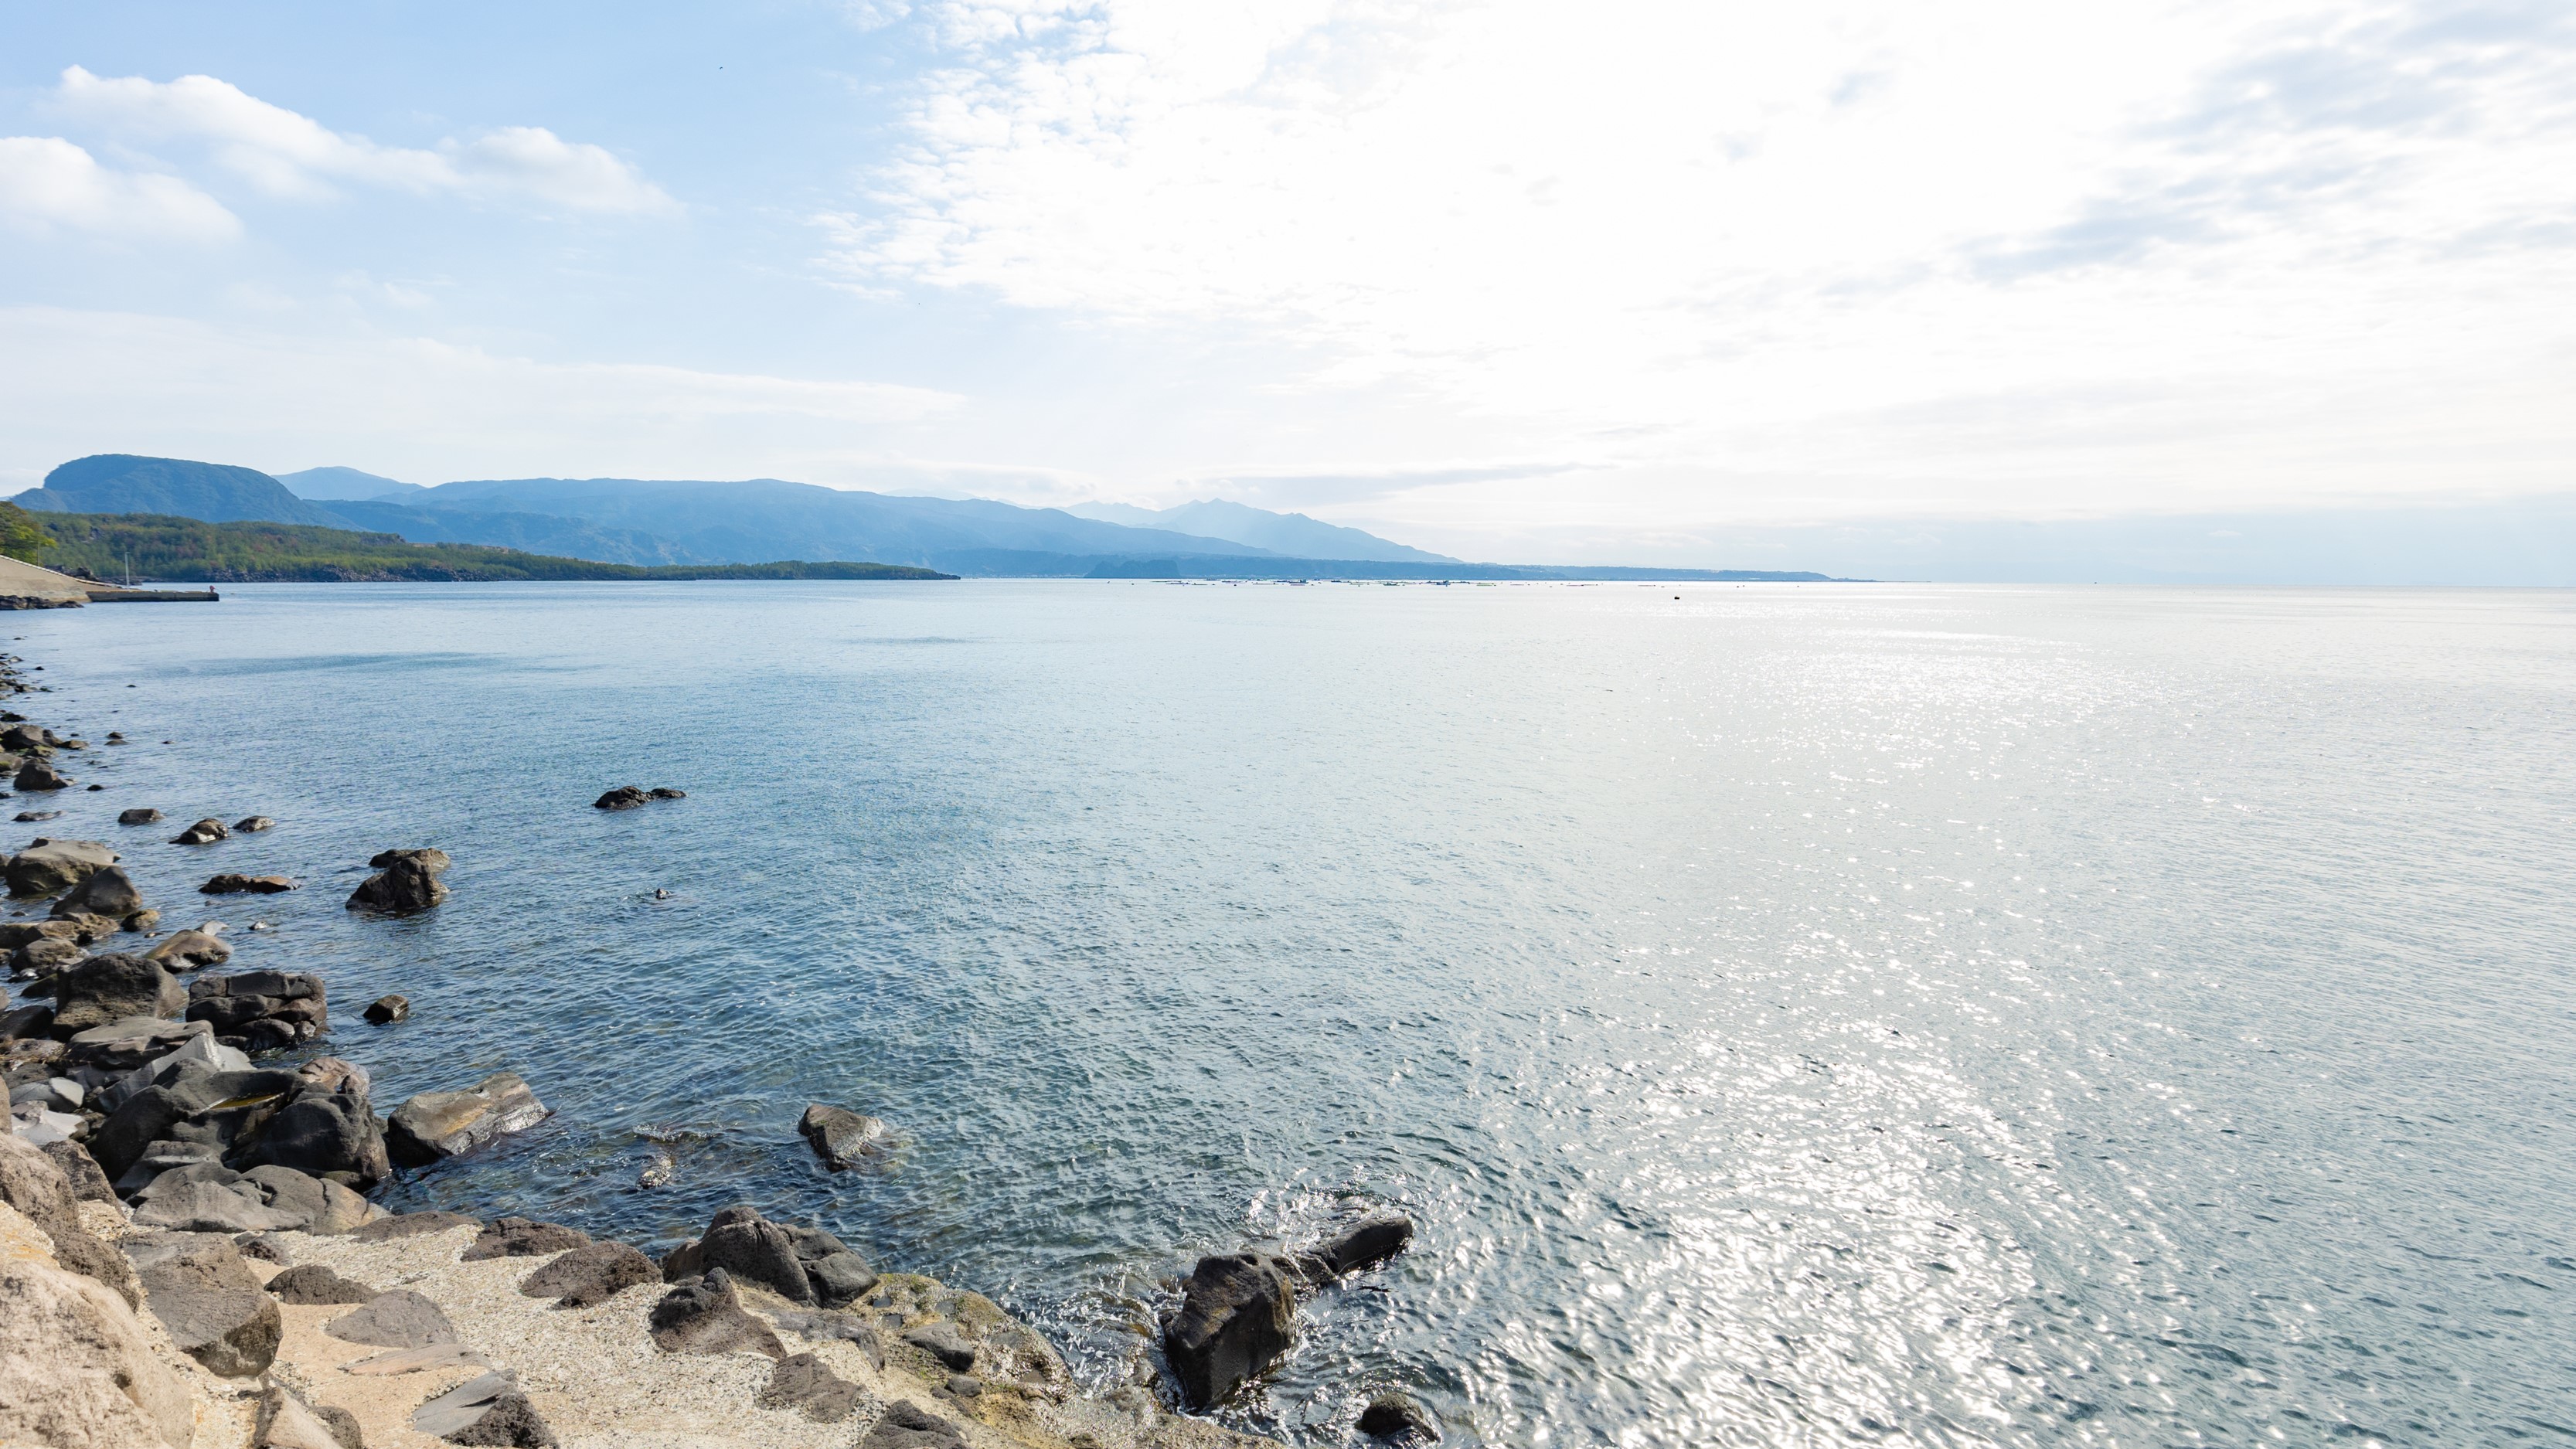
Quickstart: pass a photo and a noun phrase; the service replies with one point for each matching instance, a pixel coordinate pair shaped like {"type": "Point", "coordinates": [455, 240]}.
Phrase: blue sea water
{"type": "Point", "coordinates": [1795, 1015]}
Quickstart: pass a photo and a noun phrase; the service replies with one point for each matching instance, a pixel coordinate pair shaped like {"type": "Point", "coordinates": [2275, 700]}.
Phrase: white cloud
{"type": "Point", "coordinates": [84, 382]}
{"type": "Point", "coordinates": [291, 155]}
{"type": "Point", "coordinates": [2013, 254]}
{"type": "Point", "coordinates": [47, 182]}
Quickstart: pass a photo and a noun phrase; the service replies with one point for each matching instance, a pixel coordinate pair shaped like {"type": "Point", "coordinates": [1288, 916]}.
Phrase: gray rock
{"type": "Point", "coordinates": [706, 1316]}
{"type": "Point", "coordinates": [314, 1283]}
{"type": "Point", "coordinates": [108, 892]}
{"type": "Point", "coordinates": [206, 1296]}
{"type": "Point", "coordinates": [195, 1105]}
{"type": "Point", "coordinates": [845, 1139]}
{"type": "Point", "coordinates": [412, 1225]}
{"type": "Point", "coordinates": [521, 1238]}
{"type": "Point", "coordinates": [590, 1274]}
{"type": "Point", "coordinates": [106, 989]}
{"type": "Point", "coordinates": [326, 1126]}
{"type": "Point", "coordinates": [43, 957]}
{"type": "Point", "coordinates": [80, 1169]}
{"type": "Point", "coordinates": [907, 1425]}
{"type": "Point", "coordinates": [231, 883]}
{"type": "Point", "coordinates": [183, 1201]}
{"type": "Point", "coordinates": [399, 1319]}
{"type": "Point", "coordinates": [939, 1340]}
{"type": "Point", "coordinates": [437, 1125]}
{"type": "Point", "coordinates": [40, 775]}
{"type": "Point", "coordinates": [267, 1247]}
{"type": "Point", "coordinates": [190, 950]}
{"type": "Point", "coordinates": [139, 815]}
{"type": "Point", "coordinates": [1395, 1416]}
{"type": "Point", "coordinates": [76, 1370]}
{"type": "Point", "coordinates": [386, 1010]}
{"type": "Point", "coordinates": [326, 1207]}
{"type": "Point", "coordinates": [204, 832]}
{"type": "Point", "coordinates": [841, 1278]}
{"type": "Point", "coordinates": [121, 1046]}
{"type": "Point", "coordinates": [1237, 1316]}
{"type": "Point", "coordinates": [29, 1021]}
{"type": "Point", "coordinates": [806, 1384]}
{"type": "Point", "coordinates": [162, 1158]}
{"type": "Point", "coordinates": [405, 881]}
{"type": "Point", "coordinates": [253, 824]}
{"type": "Point", "coordinates": [260, 1010]}
{"type": "Point", "coordinates": [48, 866]}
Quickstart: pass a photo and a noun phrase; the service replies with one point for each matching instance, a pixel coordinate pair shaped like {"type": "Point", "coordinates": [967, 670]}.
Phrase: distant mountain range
{"type": "Point", "coordinates": [660, 522]}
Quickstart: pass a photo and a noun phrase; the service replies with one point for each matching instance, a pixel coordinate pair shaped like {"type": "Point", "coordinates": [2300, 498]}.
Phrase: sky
{"type": "Point", "coordinates": [1601, 283]}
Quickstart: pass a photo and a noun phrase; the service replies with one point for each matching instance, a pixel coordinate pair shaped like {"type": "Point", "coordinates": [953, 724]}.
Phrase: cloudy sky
{"type": "Point", "coordinates": [1507, 279]}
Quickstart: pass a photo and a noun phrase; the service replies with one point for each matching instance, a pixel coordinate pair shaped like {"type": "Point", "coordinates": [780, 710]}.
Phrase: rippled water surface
{"type": "Point", "coordinates": [1795, 1015]}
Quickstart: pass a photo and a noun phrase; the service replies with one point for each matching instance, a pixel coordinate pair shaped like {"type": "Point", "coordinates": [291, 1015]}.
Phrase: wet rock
{"type": "Point", "coordinates": [806, 1384]}
{"type": "Point", "coordinates": [143, 922]}
{"type": "Point", "coordinates": [522, 1238]}
{"type": "Point", "coordinates": [1370, 1241]}
{"type": "Point", "coordinates": [107, 989]}
{"type": "Point", "coordinates": [231, 884]}
{"type": "Point", "coordinates": [139, 815]}
{"type": "Point", "coordinates": [399, 1319]}
{"type": "Point", "coordinates": [412, 1225]}
{"type": "Point", "coordinates": [287, 1422]}
{"type": "Point", "coordinates": [314, 1283]}
{"type": "Point", "coordinates": [40, 775]}
{"type": "Point", "coordinates": [48, 866]}
{"type": "Point", "coordinates": [590, 1274]}
{"type": "Point", "coordinates": [1395, 1417]}
{"type": "Point", "coordinates": [79, 1370]}
{"type": "Point", "coordinates": [386, 1010]}
{"type": "Point", "coordinates": [206, 1296]}
{"type": "Point", "coordinates": [30, 817]}
{"type": "Point", "coordinates": [405, 881]}
{"type": "Point", "coordinates": [20, 739]}
{"type": "Point", "coordinates": [261, 1010]}
{"type": "Point", "coordinates": [109, 893]}
{"type": "Point", "coordinates": [325, 1128]}
{"type": "Point", "coordinates": [437, 1125]}
{"type": "Point", "coordinates": [190, 950]}
{"type": "Point", "coordinates": [1237, 1316]}
{"type": "Point", "coordinates": [845, 1139]}
{"type": "Point", "coordinates": [939, 1340]}
{"type": "Point", "coordinates": [627, 797]}
{"type": "Point", "coordinates": [908, 1426]}
{"type": "Point", "coordinates": [706, 1316]}
{"type": "Point", "coordinates": [253, 824]}
{"type": "Point", "coordinates": [204, 832]}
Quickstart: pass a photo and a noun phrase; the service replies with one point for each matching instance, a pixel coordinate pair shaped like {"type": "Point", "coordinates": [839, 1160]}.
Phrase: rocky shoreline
{"type": "Point", "coordinates": [190, 1256]}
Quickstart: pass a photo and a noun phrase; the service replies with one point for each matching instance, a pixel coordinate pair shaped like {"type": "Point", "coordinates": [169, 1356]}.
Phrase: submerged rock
{"type": "Point", "coordinates": [139, 815]}
{"type": "Point", "coordinates": [253, 824]}
{"type": "Point", "coordinates": [1366, 1243]}
{"type": "Point", "coordinates": [845, 1139]}
{"type": "Point", "coordinates": [1395, 1416]}
{"type": "Point", "coordinates": [386, 1010]}
{"type": "Point", "coordinates": [204, 832]}
{"type": "Point", "coordinates": [231, 884]}
{"type": "Point", "coordinates": [627, 797]}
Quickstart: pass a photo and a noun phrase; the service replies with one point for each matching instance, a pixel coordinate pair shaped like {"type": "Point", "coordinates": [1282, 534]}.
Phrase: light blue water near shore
{"type": "Point", "coordinates": [1890, 1015]}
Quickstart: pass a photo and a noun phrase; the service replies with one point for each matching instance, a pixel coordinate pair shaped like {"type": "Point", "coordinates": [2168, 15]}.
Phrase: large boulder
{"type": "Point", "coordinates": [209, 1197]}
{"type": "Point", "coordinates": [590, 1274]}
{"type": "Point", "coordinates": [845, 1139]}
{"type": "Point", "coordinates": [207, 1297]}
{"type": "Point", "coordinates": [705, 1315]}
{"type": "Point", "coordinates": [261, 1010]}
{"type": "Point", "coordinates": [111, 988]}
{"type": "Point", "coordinates": [214, 1110]}
{"type": "Point", "coordinates": [1366, 1243]}
{"type": "Point", "coordinates": [108, 893]}
{"type": "Point", "coordinates": [77, 1369]}
{"type": "Point", "coordinates": [326, 1127]}
{"type": "Point", "coordinates": [1238, 1314]}
{"type": "Point", "coordinates": [55, 865]}
{"type": "Point", "coordinates": [405, 881]}
{"type": "Point", "coordinates": [800, 1264]}
{"type": "Point", "coordinates": [437, 1125]}
{"type": "Point", "coordinates": [41, 775]}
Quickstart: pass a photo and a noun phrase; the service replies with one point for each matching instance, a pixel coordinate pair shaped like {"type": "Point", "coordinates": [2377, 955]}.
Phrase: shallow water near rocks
{"type": "Point", "coordinates": [1806, 1015]}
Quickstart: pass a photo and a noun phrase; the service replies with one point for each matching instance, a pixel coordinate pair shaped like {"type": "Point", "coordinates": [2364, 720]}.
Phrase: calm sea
{"type": "Point", "coordinates": [1815, 1015]}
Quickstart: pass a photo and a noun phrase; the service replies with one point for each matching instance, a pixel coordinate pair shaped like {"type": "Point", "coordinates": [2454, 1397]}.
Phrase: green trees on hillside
{"type": "Point", "coordinates": [21, 536]}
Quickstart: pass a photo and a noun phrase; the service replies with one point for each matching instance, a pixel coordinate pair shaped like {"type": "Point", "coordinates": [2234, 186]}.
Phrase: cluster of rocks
{"type": "Point", "coordinates": [1238, 1311]}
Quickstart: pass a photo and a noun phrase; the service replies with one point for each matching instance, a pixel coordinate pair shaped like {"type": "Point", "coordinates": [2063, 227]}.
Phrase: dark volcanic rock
{"type": "Point", "coordinates": [521, 1238]}
{"type": "Point", "coordinates": [1370, 1241]}
{"type": "Point", "coordinates": [139, 815]}
{"type": "Point", "coordinates": [253, 824]}
{"type": "Point", "coordinates": [405, 881]}
{"type": "Point", "coordinates": [204, 832]}
{"type": "Point", "coordinates": [907, 1425]}
{"type": "Point", "coordinates": [317, 1284]}
{"type": "Point", "coordinates": [1394, 1416]}
{"type": "Point", "coordinates": [1238, 1314]}
{"type": "Point", "coordinates": [190, 950]}
{"type": "Point", "coordinates": [40, 775]}
{"type": "Point", "coordinates": [386, 1010]}
{"type": "Point", "coordinates": [326, 1127]}
{"type": "Point", "coordinates": [81, 1171]}
{"type": "Point", "coordinates": [940, 1341]}
{"type": "Point", "coordinates": [706, 1316]}
{"type": "Point", "coordinates": [843, 1138]}
{"type": "Point", "coordinates": [111, 988]}
{"type": "Point", "coordinates": [801, 1265]}
{"type": "Point", "coordinates": [437, 1125]}
{"type": "Point", "coordinates": [624, 797]}
{"type": "Point", "coordinates": [108, 893]}
{"type": "Point", "coordinates": [805, 1383]}
{"type": "Point", "coordinates": [589, 1275]}
{"type": "Point", "coordinates": [232, 884]}
{"type": "Point", "coordinates": [399, 1319]}
{"type": "Point", "coordinates": [204, 1293]}
{"type": "Point", "coordinates": [512, 1421]}
{"type": "Point", "coordinates": [261, 1010]}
